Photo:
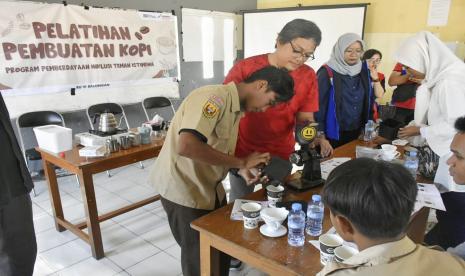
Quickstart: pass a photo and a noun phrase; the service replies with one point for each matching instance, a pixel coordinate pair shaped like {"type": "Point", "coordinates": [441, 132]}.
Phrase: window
{"type": "Point", "coordinates": [228, 44]}
{"type": "Point", "coordinates": [210, 36]}
{"type": "Point", "coordinates": [207, 47]}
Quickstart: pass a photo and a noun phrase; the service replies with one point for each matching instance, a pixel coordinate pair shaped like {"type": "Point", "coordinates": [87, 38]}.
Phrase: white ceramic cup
{"type": "Point", "coordinates": [388, 147]}
{"type": "Point", "coordinates": [274, 194]}
{"type": "Point", "coordinates": [344, 252]}
{"type": "Point", "coordinates": [389, 155]}
{"type": "Point", "coordinates": [389, 152]}
{"type": "Point", "coordinates": [251, 214]}
{"type": "Point", "coordinates": [328, 243]}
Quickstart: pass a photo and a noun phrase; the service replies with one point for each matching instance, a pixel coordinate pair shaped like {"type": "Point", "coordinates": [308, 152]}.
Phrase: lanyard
{"type": "Point", "coordinates": [370, 90]}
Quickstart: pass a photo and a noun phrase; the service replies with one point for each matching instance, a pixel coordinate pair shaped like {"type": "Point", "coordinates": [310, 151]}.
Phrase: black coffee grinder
{"type": "Point", "coordinates": [306, 156]}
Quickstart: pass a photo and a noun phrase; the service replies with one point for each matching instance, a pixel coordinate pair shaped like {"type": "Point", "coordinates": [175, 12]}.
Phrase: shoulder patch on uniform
{"type": "Point", "coordinates": [217, 100]}
{"type": "Point", "coordinates": [210, 109]}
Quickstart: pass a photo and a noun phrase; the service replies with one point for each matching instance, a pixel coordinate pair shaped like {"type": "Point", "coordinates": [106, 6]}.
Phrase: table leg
{"type": "Point", "coordinates": [90, 206]}
{"type": "Point", "coordinates": [54, 193]}
{"type": "Point", "coordinates": [209, 257]}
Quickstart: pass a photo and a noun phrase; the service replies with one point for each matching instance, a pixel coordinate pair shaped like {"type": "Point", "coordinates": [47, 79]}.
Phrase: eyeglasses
{"type": "Point", "coordinates": [301, 54]}
{"type": "Point", "coordinates": [358, 52]}
{"type": "Point", "coordinates": [374, 60]}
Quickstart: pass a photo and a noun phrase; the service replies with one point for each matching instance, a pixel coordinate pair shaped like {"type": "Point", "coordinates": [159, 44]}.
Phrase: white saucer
{"type": "Point", "coordinates": [281, 231]}
{"type": "Point", "coordinates": [400, 142]}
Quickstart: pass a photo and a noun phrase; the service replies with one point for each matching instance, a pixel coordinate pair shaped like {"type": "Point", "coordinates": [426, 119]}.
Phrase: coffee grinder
{"type": "Point", "coordinates": [310, 175]}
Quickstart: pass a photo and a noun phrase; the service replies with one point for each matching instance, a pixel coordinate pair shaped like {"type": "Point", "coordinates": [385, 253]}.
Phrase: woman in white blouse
{"type": "Point", "coordinates": [440, 97]}
{"type": "Point", "coordinates": [440, 100]}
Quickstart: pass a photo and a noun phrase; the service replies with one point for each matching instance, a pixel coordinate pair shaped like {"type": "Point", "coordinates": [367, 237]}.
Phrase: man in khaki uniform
{"type": "Point", "coordinates": [199, 151]}
{"type": "Point", "coordinates": [370, 204]}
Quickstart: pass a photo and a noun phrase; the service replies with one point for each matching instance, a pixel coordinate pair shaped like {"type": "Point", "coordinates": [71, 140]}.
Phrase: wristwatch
{"type": "Point", "coordinates": [375, 80]}
{"type": "Point", "coordinates": [320, 134]}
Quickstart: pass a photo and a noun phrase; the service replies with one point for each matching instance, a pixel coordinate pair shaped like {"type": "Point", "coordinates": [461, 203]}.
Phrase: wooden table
{"type": "Point", "coordinates": [84, 168]}
{"type": "Point", "coordinates": [273, 255]}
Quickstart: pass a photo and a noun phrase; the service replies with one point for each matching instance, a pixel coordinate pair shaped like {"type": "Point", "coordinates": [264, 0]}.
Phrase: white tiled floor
{"type": "Point", "coordinates": [136, 243]}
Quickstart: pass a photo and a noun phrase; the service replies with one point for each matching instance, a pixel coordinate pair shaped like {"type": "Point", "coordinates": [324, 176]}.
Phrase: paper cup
{"type": "Point", "coordinates": [275, 194]}
{"type": "Point", "coordinates": [344, 252]}
{"type": "Point", "coordinates": [328, 242]}
{"type": "Point", "coordinates": [251, 214]}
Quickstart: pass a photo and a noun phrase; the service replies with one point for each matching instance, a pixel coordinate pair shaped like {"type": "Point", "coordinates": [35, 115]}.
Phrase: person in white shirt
{"type": "Point", "coordinates": [440, 100]}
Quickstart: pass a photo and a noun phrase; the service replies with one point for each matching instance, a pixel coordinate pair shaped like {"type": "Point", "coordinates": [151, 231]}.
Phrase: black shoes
{"type": "Point", "coordinates": [235, 265]}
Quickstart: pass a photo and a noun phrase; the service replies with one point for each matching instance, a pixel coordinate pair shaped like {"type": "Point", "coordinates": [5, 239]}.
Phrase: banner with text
{"type": "Point", "coordinates": [53, 47]}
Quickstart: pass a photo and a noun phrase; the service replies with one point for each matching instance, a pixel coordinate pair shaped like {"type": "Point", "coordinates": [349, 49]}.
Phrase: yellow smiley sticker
{"type": "Point", "coordinates": [209, 109]}
{"type": "Point", "coordinates": [308, 133]}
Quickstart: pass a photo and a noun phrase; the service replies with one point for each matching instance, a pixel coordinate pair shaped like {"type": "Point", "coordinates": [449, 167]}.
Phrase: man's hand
{"type": "Point", "coordinates": [408, 132]}
{"type": "Point", "coordinates": [325, 147]}
{"type": "Point", "coordinates": [255, 159]}
{"type": "Point", "coordinates": [252, 176]}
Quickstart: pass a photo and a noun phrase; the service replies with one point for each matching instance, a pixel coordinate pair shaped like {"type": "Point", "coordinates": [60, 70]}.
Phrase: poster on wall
{"type": "Point", "coordinates": [47, 48]}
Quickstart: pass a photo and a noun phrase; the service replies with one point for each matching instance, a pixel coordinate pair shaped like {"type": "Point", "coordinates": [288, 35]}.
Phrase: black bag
{"type": "Point", "coordinates": [386, 111]}
{"type": "Point", "coordinates": [404, 92]}
{"type": "Point", "coordinates": [428, 161]}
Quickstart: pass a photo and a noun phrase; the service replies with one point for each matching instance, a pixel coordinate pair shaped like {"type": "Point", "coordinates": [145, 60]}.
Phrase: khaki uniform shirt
{"type": "Point", "coordinates": [397, 258]}
{"type": "Point", "coordinates": [213, 111]}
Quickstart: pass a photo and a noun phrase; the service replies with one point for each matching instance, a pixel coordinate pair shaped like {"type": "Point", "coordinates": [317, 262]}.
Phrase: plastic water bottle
{"type": "Point", "coordinates": [296, 225]}
{"type": "Point", "coordinates": [411, 163]}
{"type": "Point", "coordinates": [369, 131]}
{"type": "Point", "coordinates": [315, 213]}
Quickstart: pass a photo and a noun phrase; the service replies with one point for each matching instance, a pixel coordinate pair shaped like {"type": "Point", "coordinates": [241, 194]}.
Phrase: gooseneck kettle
{"type": "Point", "coordinates": [107, 122]}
